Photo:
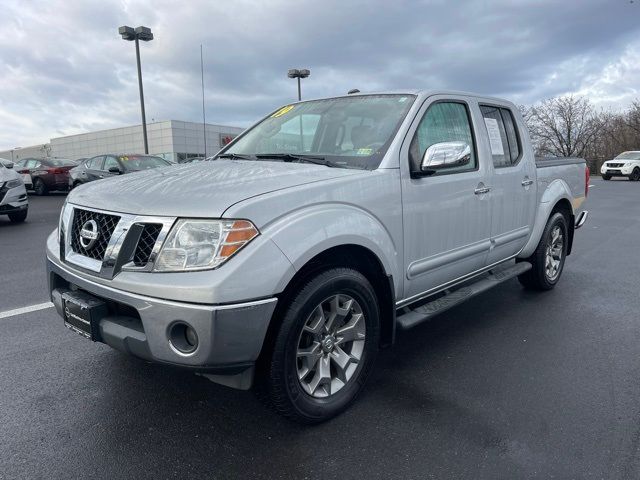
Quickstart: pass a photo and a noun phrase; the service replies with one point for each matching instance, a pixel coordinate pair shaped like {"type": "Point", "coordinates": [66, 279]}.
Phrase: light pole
{"type": "Point", "coordinates": [137, 34]}
{"type": "Point", "coordinates": [298, 74]}
{"type": "Point", "coordinates": [295, 73]}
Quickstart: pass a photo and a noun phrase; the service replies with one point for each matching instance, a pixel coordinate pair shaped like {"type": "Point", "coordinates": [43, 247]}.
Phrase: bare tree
{"type": "Point", "coordinates": [563, 126]}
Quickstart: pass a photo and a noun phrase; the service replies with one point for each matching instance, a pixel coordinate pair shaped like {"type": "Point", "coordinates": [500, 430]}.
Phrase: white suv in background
{"type": "Point", "coordinates": [13, 196]}
{"type": "Point", "coordinates": [627, 164]}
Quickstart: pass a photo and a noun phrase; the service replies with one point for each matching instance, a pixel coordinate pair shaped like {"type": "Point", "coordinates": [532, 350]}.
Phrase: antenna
{"type": "Point", "coordinates": [204, 118]}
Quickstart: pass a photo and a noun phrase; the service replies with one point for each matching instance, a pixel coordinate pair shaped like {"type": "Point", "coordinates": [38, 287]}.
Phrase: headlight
{"type": "Point", "coordinates": [13, 183]}
{"type": "Point", "coordinates": [63, 222]}
{"type": "Point", "coordinates": [203, 244]}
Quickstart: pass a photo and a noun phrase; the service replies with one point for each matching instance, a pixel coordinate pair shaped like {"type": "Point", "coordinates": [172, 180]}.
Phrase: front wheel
{"type": "Point", "coordinates": [325, 348]}
{"type": "Point", "coordinates": [635, 175]}
{"type": "Point", "coordinates": [549, 257]}
{"type": "Point", "coordinates": [606, 177]}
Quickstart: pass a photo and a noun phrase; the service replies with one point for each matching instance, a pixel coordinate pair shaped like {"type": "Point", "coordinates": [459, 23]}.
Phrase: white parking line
{"type": "Point", "coordinates": [30, 308]}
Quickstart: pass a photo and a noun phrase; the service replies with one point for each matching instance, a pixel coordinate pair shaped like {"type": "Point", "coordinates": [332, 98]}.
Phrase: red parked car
{"type": "Point", "coordinates": [48, 174]}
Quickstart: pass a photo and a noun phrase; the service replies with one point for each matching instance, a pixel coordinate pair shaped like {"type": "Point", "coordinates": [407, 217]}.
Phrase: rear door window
{"type": "Point", "coordinates": [95, 163]}
{"type": "Point", "coordinates": [504, 141]}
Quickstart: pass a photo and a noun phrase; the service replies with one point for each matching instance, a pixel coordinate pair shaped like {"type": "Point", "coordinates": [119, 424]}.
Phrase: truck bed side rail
{"type": "Point", "coordinates": [542, 162]}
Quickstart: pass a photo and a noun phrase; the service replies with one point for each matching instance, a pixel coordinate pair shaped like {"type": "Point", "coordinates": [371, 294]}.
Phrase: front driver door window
{"type": "Point", "coordinates": [110, 162]}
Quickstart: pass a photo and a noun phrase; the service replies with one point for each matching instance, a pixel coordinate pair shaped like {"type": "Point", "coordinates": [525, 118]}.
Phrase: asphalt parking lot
{"type": "Point", "coordinates": [509, 385]}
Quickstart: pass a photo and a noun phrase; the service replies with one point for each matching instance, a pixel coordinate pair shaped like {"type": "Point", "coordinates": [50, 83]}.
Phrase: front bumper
{"type": "Point", "coordinates": [230, 336]}
{"type": "Point", "coordinates": [616, 172]}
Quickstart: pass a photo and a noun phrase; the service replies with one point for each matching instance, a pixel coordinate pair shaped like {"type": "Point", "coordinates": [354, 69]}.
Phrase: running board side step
{"type": "Point", "coordinates": [426, 311]}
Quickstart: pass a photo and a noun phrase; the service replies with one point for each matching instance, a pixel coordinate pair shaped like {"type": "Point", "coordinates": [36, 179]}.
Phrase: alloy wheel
{"type": "Point", "coordinates": [330, 346]}
{"type": "Point", "coordinates": [554, 253]}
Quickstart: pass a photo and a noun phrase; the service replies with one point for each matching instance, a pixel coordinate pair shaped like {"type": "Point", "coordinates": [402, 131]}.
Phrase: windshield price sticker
{"type": "Point", "coordinates": [494, 136]}
{"type": "Point", "coordinates": [282, 111]}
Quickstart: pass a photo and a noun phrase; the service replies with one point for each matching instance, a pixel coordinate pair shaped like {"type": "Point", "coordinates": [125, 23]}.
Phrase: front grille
{"type": "Point", "coordinates": [146, 243]}
{"type": "Point", "coordinates": [614, 165]}
{"type": "Point", "coordinates": [106, 225]}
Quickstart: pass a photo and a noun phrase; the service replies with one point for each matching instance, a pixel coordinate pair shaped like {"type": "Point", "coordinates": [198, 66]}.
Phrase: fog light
{"type": "Point", "coordinates": [191, 336]}
{"type": "Point", "coordinates": [183, 338]}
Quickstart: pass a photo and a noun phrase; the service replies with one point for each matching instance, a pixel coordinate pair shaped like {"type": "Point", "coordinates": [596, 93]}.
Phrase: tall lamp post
{"type": "Point", "coordinates": [137, 34]}
{"type": "Point", "coordinates": [295, 73]}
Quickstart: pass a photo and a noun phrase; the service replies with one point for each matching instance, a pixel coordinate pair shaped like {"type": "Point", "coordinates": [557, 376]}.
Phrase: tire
{"type": "Point", "coordinates": [39, 187]}
{"type": "Point", "coordinates": [606, 177]}
{"type": "Point", "coordinates": [543, 276]}
{"type": "Point", "coordinates": [303, 329]}
{"type": "Point", "coordinates": [635, 175]}
{"type": "Point", "coordinates": [18, 217]}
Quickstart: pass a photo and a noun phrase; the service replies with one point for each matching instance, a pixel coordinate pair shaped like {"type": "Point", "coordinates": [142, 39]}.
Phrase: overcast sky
{"type": "Point", "coordinates": [65, 69]}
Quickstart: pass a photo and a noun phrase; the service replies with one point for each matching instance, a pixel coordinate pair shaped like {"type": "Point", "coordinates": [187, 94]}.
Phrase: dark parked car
{"type": "Point", "coordinates": [104, 166]}
{"type": "Point", "coordinates": [47, 174]}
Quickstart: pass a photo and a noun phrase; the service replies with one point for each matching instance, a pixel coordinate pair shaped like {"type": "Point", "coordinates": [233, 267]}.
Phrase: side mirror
{"type": "Point", "coordinates": [115, 170]}
{"type": "Point", "coordinates": [445, 155]}
{"type": "Point", "coordinates": [9, 164]}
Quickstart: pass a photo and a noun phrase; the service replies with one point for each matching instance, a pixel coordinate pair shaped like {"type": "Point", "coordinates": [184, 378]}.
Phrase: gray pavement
{"type": "Point", "coordinates": [510, 385]}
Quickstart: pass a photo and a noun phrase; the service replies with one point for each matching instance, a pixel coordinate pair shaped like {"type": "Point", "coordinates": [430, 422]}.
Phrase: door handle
{"type": "Point", "coordinates": [527, 182]}
{"type": "Point", "coordinates": [482, 190]}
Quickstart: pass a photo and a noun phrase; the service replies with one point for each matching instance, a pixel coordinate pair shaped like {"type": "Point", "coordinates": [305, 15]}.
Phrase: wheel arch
{"type": "Point", "coordinates": [353, 256]}
{"type": "Point", "coordinates": [556, 198]}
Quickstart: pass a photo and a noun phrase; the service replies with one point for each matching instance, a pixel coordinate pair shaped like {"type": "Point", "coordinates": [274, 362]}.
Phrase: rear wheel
{"type": "Point", "coordinates": [39, 187]}
{"type": "Point", "coordinates": [325, 348]}
{"type": "Point", "coordinates": [635, 175]}
{"type": "Point", "coordinates": [549, 257]}
{"type": "Point", "coordinates": [18, 217]}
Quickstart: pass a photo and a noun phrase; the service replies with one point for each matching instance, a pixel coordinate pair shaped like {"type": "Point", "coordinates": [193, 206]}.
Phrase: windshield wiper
{"type": "Point", "coordinates": [236, 156]}
{"type": "Point", "coordinates": [291, 157]}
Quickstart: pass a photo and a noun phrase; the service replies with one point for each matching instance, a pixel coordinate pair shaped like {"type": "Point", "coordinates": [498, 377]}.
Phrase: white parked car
{"type": "Point", "coordinates": [627, 164]}
{"type": "Point", "coordinates": [13, 195]}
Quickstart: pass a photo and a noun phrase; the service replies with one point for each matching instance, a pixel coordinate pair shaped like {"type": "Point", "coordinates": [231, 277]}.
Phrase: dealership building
{"type": "Point", "coordinates": [171, 139]}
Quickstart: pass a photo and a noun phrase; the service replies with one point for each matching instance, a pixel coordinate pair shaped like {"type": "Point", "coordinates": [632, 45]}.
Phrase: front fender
{"type": "Point", "coordinates": [557, 190]}
{"type": "Point", "coordinates": [307, 232]}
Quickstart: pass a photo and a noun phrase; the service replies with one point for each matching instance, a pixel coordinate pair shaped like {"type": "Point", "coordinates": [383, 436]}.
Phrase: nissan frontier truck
{"type": "Point", "coordinates": [287, 262]}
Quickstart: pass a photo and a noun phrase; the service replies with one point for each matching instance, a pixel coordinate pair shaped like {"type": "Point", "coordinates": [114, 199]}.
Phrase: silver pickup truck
{"type": "Point", "coordinates": [292, 258]}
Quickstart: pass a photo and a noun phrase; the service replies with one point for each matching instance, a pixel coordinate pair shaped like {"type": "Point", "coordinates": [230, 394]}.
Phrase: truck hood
{"type": "Point", "coordinates": [203, 189]}
{"type": "Point", "coordinates": [623, 162]}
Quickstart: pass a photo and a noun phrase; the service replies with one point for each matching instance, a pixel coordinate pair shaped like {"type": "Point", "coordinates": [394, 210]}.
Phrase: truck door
{"type": "Point", "coordinates": [513, 189]}
{"type": "Point", "coordinates": [446, 213]}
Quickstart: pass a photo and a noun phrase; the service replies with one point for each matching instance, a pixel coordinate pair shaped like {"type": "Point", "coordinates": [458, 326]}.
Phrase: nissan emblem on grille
{"type": "Point", "coordinates": [89, 234]}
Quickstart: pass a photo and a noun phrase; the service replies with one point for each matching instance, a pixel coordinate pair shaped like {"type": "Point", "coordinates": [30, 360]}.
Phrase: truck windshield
{"type": "Point", "coordinates": [351, 132]}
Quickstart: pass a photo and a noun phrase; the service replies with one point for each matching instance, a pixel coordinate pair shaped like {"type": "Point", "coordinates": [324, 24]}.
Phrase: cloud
{"type": "Point", "coordinates": [66, 70]}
